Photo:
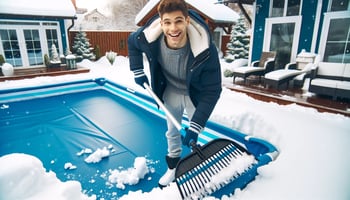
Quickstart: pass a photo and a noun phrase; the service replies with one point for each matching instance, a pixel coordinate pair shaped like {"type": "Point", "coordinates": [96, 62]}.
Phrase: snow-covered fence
{"type": "Point", "coordinates": [116, 41]}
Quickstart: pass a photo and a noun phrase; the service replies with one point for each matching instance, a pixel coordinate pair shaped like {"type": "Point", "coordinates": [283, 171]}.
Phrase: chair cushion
{"type": "Point", "coordinates": [345, 85]}
{"type": "Point", "coordinates": [324, 82]}
{"type": "Point", "coordinates": [331, 69]}
{"type": "Point", "coordinates": [346, 73]}
{"type": "Point", "coordinates": [265, 56]}
{"type": "Point", "coordinates": [244, 70]}
{"type": "Point", "coordinates": [282, 74]}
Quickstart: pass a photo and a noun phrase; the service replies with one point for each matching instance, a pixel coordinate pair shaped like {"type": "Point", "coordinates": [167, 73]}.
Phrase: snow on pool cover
{"type": "Point", "coordinates": [93, 131]}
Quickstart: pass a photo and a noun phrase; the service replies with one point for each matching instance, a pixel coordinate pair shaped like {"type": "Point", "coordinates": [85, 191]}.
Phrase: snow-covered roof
{"type": "Point", "coordinates": [216, 12]}
{"type": "Point", "coordinates": [219, 13]}
{"type": "Point", "coordinates": [50, 8]}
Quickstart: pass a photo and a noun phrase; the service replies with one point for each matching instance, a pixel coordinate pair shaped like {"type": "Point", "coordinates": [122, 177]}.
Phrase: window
{"type": "Point", "coordinates": [34, 52]}
{"type": "Point", "coordinates": [282, 8]}
{"type": "Point", "coordinates": [335, 34]}
{"type": "Point", "coordinates": [339, 5]}
{"type": "Point", "coordinates": [277, 9]}
{"type": "Point", "coordinates": [49, 24]}
{"type": "Point", "coordinates": [293, 7]}
{"type": "Point", "coordinates": [11, 48]}
{"type": "Point", "coordinates": [338, 41]}
{"type": "Point", "coordinates": [51, 37]}
{"type": "Point", "coordinates": [282, 42]}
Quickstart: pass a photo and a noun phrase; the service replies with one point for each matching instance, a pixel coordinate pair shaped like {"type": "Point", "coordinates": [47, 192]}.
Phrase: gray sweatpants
{"type": "Point", "coordinates": [176, 102]}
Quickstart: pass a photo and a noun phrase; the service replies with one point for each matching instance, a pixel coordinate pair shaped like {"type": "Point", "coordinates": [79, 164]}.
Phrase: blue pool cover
{"type": "Point", "coordinates": [55, 122]}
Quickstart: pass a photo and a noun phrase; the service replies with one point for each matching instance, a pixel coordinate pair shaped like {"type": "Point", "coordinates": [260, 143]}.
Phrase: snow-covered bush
{"type": "Point", "coordinates": [111, 56]}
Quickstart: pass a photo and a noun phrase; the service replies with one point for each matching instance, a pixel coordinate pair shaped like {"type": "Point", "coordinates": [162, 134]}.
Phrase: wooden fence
{"type": "Point", "coordinates": [116, 41]}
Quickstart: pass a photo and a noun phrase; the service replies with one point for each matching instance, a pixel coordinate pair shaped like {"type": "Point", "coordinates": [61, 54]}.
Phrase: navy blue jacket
{"type": "Point", "coordinates": [204, 74]}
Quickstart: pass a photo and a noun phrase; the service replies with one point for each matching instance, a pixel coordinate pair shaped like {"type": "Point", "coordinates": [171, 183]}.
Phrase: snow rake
{"type": "Point", "coordinates": [219, 166]}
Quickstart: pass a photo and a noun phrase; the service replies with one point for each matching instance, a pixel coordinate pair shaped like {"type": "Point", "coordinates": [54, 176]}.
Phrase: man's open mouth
{"type": "Point", "coordinates": [174, 34]}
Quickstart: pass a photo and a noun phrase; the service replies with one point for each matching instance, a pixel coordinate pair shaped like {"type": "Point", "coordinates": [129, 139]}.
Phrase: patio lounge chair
{"type": "Point", "coordinates": [257, 68]}
{"type": "Point", "coordinates": [289, 73]}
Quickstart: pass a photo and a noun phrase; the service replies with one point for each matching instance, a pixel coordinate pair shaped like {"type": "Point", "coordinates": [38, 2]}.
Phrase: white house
{"type": "Point", "coordinates": [29, 28]}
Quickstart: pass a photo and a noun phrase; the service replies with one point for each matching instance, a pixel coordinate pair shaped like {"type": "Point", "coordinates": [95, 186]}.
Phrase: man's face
{"type": "Point", "coordinates": [174, 26]}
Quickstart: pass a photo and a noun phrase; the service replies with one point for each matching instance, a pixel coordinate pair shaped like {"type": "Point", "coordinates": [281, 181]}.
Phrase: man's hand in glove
{"type": "Point", "coordinates": [140, 77]}
{"type": "Point", "coordinates": [192, 134]}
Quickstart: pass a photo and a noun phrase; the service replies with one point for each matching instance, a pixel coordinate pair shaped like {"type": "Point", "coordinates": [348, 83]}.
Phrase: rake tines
{"type": "Point", "coordinates": [205, 170]}
{"type": "Point", "coordinates": [211, 167]}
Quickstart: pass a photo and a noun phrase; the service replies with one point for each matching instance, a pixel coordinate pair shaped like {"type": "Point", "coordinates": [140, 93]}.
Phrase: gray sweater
{"type": "Point", "coordinates": [174, 65]}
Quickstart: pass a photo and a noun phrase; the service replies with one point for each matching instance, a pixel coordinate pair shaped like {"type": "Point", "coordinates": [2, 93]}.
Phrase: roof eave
{"type": "Point", "coordinates": [21, 16]}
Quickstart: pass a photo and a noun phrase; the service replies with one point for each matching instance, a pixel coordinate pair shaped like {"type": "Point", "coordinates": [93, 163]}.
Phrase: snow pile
{"type": "Point", "coordinates": [24, 177]}
{"type": "Point", "coordinates": [168, 193]}
{"type": "Point", "coordinates": [236, 167]}
{"type": "Point", "coordinates": [69, 165]}
{"type": "Point", "coordinates": [97, 155]}
{"type": "Point", "coordinates": [84, 151]}
{"type": "Point", "coordinates": [130, 176]}
{"type": "Point", "coordinates": [312, 163]}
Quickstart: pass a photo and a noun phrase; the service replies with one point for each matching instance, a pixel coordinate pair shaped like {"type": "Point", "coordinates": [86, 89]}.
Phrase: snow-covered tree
{"type": "Point", "coordinates": [124, 12]}
{"type": "Point", "coordinates": [238, 47]}
{"type": "Point", "coordinates": [81, 46]}
{"type": "Point", "coordinates": [54, 54]}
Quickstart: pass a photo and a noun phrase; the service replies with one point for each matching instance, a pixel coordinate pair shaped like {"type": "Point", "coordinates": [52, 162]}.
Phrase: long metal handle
{"type": "Point", "coordinates": [162, 106]}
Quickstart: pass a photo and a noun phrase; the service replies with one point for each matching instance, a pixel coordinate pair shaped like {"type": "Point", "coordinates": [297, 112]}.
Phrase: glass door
{"type": "Point", "coordinates": [33, 47]}
{"type": "Point", "coordinates": [282, 36]}
{"type": "Point", "coordinates": [11, 47]}
{"type": "Point", "coordinates": [282, 42]}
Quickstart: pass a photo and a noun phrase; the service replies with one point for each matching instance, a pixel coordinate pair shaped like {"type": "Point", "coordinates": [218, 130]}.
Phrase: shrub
{"type": "Point", "coordinates": [111, 56]}
{"type": "Point", "coordinates": [2, 59]}
{"type": "Point", "coordinates": [228, 73]}
{"type": "Point", "coordinates": [46, 60]}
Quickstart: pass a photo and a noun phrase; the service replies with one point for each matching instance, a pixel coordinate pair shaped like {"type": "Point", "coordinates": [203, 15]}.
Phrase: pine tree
{"type": "Point", "coordinates": [81, 46]}
{"type": "Point", "coordinates": [238, 47]}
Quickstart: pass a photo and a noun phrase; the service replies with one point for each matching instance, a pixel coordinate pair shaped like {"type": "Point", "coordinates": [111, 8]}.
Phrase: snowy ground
{"type": "Point", "coordinates": [313, 161]}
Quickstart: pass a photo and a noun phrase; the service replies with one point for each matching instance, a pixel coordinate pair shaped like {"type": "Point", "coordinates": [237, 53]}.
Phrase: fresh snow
{"type": "Point", "coordinates": [24, 177]}
{"type": "Point", "coordinates": [97, 156]}
{"type": "Point", "coordinates": [130, 176]}
{"type": "Point", "coordinates": [216, 12]}
{"type": "Point", "coordinates": [313, 161]}
{"type": "Point", "coordinates": [61, 8]}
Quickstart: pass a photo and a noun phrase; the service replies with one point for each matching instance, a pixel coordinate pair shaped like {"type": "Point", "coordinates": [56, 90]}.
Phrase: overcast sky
{"type": "Point", "coordinates": [92, 4]}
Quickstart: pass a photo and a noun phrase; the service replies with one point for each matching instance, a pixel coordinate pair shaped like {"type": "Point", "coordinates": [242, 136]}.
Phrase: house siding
{"type": "Point", "coordinates": [63, 34]}
{"type": "Point", "coordinates": [262, 12]}
{"type": "Point", "coordinates": [308, 14]}
{"type": "Point", "coordinates": [323, 10]}
{"type": "Point", "coordinates": [310, 33]}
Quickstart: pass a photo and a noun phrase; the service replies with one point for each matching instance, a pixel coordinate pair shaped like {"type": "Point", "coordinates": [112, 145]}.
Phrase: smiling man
{"type": "Point", "coordinates": [184, 69]}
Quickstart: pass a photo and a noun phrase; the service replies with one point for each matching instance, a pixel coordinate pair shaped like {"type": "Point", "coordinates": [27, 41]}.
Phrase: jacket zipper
{"type": "Point", "coordinates": [197, 63]}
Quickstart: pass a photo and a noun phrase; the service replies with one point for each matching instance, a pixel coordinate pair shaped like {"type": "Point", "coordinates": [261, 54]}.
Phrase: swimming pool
{"type": "Point", "coordinates": [55, 122]}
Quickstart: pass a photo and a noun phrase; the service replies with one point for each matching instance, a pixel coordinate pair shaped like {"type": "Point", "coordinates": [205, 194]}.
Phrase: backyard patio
{"type": "Point", "coordinates": [257, 89]}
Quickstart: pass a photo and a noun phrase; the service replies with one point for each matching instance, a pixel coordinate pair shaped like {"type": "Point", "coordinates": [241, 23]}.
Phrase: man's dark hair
{"type": "Point", "coordinates": [167, 6]}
